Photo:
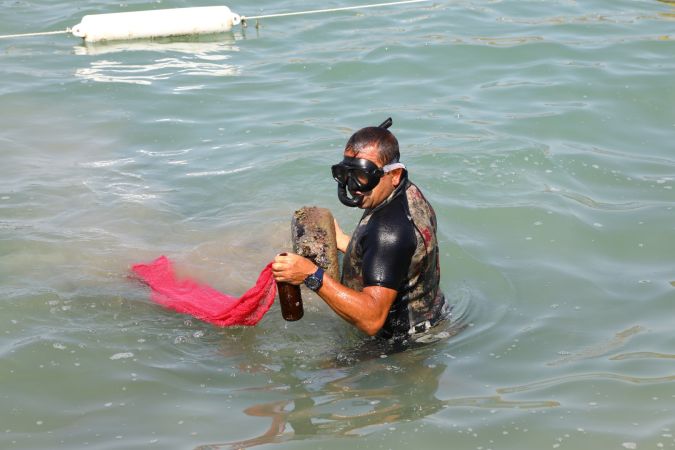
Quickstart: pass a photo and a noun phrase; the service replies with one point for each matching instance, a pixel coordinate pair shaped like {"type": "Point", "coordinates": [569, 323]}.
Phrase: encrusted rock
{"type": "Point", "coordinates": [313, 236]}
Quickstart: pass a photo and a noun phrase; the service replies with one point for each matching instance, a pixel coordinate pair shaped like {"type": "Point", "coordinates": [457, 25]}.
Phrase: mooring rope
{"type": "Point", "coordinates": [317, 11]}
{"type": "Point", "coordinates": [43, 33]}
{"type": "Point", "coordinates": [245, 18]}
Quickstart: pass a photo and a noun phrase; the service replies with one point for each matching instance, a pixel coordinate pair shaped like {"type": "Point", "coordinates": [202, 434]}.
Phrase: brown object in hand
{"type": "Point", "coordinates": [291, 301]}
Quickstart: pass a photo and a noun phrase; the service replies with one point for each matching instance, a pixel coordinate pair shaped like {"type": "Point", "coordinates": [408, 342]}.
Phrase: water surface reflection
{"type": "Point", "coordinates": [146, 61]}
{"type": "Point", "coordinates": [356, 392]}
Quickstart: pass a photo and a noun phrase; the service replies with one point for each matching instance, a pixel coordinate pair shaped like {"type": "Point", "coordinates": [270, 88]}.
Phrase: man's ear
{"type": "Point", "coordinates": [396, 176]}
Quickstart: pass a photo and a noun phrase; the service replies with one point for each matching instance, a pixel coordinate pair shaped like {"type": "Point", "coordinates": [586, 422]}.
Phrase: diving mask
{"type": "Point", "coordinates": [360, 176]}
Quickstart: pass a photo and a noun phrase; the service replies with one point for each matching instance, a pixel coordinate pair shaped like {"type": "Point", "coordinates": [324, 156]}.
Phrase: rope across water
{"type": "Point", "coordinates": [317, 11]}
{"type": "Point", "coordinates": [43, 33]}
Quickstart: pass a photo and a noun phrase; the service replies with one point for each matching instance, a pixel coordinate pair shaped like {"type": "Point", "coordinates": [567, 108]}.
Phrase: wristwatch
{"type": "Point", "coordinates": [315, 280]}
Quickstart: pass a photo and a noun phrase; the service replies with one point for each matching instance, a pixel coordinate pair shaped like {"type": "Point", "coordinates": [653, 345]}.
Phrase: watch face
{"type": "Point", "coordinates": [313, 282]}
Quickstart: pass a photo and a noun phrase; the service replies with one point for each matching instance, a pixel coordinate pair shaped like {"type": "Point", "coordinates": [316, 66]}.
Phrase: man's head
{"type": "Point", "coordinates": [370, 170]}
{"type": "Point", "coordinates": [374, 139]}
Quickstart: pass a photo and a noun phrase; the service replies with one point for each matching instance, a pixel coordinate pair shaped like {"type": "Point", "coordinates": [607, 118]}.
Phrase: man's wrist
{"type": "Point", "coordinates": [314, 281]}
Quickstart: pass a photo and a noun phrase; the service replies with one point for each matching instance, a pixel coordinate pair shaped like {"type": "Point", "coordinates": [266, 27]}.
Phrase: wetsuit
{"type": "Point", "coordinates": [395, 246]}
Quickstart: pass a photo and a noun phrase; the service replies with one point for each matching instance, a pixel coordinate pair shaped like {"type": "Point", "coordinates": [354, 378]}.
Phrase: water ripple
{"type": "Point", "coordinates": [588, 201]}
{"type": "Point", "coordinates": [594, 376]}
{"type": "Point", "coordinates": [147, 72]}
{"type": "Point", "coordinates": [209, 173]}
{"type": "Point", "coordinates": [599, 349]}
{"type": "Point", "coordinates": [116, 72]}
{"type": "Point", "coordinates": [642, 355]}
{"type": "Point", "coordinates": [108, 163]}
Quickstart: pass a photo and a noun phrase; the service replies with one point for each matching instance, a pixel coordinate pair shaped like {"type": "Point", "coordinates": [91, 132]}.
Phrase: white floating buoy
{"type": "Point", "coordinates": [156, 23]}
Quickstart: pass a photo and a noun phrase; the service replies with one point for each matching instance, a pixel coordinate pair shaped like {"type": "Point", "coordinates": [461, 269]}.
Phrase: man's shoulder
{"type": "Point", "coordinates": [413, 192]}
{"type": "Point", "coordinates": [417, 202]}
{"type": "Point", "coordinates": [392, 223]}
{"type": "Point", "coordinates": [393, 209]}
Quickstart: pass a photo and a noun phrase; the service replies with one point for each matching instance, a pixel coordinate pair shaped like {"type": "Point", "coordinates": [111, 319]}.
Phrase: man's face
{"type": "Point", "coordinates": [387, 183]}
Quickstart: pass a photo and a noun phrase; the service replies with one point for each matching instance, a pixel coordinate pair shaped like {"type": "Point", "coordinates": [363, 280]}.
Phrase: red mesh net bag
{"type": "Point", "coordinates": [203, 302]}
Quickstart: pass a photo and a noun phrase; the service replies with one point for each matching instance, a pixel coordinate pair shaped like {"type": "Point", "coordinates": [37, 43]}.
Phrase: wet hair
{"type": "Point", "coordinates": [382, 139]}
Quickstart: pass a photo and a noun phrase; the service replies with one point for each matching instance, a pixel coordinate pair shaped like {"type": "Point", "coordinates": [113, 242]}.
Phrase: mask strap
{"type": "Point", "coordinates": [393, 166]}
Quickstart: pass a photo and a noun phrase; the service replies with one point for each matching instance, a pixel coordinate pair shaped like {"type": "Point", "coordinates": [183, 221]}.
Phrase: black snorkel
{"type": "Point", "coordinates": [351, 199]}
{"type": "Point", "coordinates": [386, 124]}
{"type": "Point", "coordinates": [346, 200]}
{"type": "Point", "coordinates": [355, 199]}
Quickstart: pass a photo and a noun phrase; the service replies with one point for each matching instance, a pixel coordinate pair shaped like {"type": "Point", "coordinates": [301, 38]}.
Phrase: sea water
{"type": "Point", "coordinates": [541, 131]}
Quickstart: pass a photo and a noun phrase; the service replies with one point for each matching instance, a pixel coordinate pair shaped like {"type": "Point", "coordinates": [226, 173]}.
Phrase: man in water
{"type": "Point", "coordinates": [390, 276]}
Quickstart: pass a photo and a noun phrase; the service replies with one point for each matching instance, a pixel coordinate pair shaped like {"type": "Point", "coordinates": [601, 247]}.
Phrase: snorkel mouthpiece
{"type": "Point", "coordinates": [353, 201]}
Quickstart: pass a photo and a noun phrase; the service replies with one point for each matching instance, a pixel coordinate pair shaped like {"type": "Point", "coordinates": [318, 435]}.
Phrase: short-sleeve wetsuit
{"type": "Point", "coordinates": [395, 246]}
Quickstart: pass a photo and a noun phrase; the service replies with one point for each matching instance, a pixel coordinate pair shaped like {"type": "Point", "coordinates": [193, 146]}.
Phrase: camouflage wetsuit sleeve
{"type": "Point", "coordinates": [388, 246]}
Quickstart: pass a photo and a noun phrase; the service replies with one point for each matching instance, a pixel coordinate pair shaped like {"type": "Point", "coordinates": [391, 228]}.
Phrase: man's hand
{"type": "Point", "coordinates": [292, 268]}
{"type": "Point", "coordinates": [367, 310]}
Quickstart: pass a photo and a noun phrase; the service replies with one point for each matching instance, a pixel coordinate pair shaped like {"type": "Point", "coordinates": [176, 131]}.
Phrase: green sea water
{"type": "Point", "coordinates": [541, 131]}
